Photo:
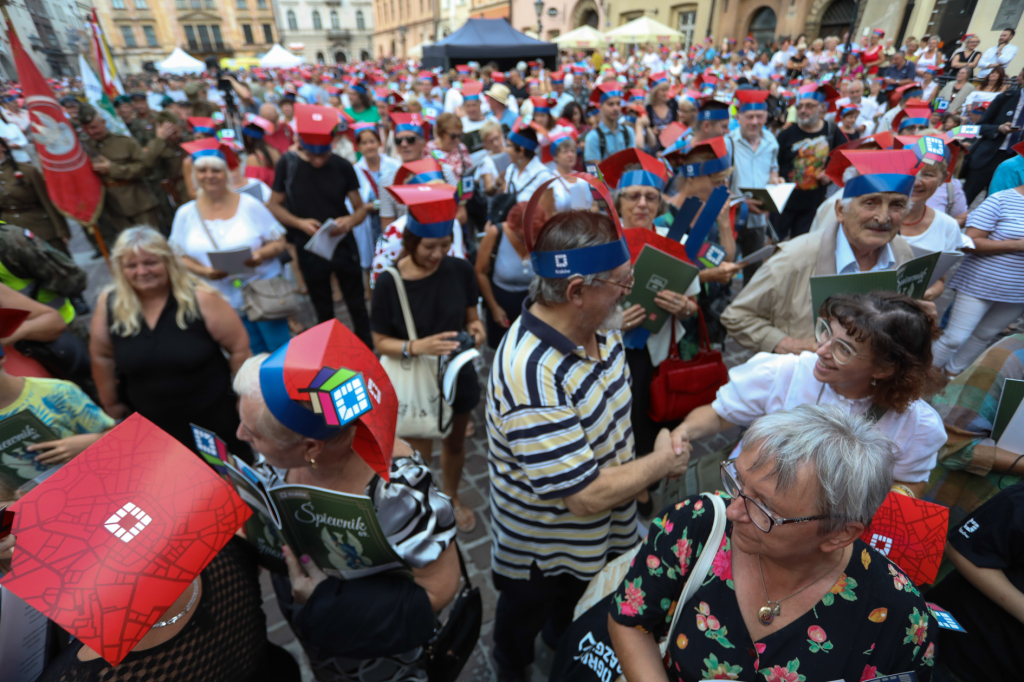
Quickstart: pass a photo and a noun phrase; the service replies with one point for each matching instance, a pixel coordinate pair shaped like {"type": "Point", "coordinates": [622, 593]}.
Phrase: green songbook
{"type": "Point", "coordinates": [1009, 402]}
{"type": "Point", "coordinates": [338, 531]}
{"type": "Point", "coordinates": [911, 278]}
{"type": "Point", "coordinates": [655, 271]}
{"type": "Point", "coordinates": [17, 464]}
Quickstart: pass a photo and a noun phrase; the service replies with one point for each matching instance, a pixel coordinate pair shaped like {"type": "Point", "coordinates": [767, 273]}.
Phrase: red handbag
{"type": "Point", "coordinates": [679, 386]}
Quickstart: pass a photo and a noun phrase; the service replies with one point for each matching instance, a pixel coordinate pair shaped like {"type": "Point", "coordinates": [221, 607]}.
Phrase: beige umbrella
{"type": "Point", "coordinates": [642, 31]}
{"type": "Point", "coordinates": [584, 37]}
{"type": "Point", "coordinates": [416, 51]}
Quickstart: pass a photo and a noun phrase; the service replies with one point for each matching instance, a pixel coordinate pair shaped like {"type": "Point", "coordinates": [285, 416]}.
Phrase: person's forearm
{"type": "Point", "coordinates": [237, 358]}
{"type": "Point", "coordinates": [704, 422]}
{"type": "Point", "coordinates": [992, 582]}
{"type": "Point", "coordinates": [284, 216]}
{"type": "Point", "coordinates": [990, 247]}
{"type": "Point", "coordinates": [103, 375]}
{"type": "Point", "coordinates": [44, 327]}
{"type": "Point", "coordinates": [193, 266]}
{"type": "Point", "coordinates": [390, 346]}
{"type": "Point", "coordinates": [359, 215]}
{"type": "Point", "coordinates": [484, 283]}
{"type": "Point", "coordinates": [271, 250]}
{"type": "Point", "coordinates": [638, 653]}
{"type": "Point", "coordinates": [617, 485]}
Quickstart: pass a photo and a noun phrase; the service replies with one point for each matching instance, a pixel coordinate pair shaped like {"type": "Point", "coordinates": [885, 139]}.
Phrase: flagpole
{"type": "Point", "coordinates": [95, 232]}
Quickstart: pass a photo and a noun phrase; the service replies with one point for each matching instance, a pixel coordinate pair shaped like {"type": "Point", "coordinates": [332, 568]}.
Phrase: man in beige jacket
{"type": "Point", "coordinates": [773, 312]}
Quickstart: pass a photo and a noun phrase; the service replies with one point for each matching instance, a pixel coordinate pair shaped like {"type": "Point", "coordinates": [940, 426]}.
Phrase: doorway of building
{"type": "Point", "coordinates": [339, 57]}
{"type": "Point", "coordinates": [762, 26]}
{"type": "Point", "coordinates": [837, 18]}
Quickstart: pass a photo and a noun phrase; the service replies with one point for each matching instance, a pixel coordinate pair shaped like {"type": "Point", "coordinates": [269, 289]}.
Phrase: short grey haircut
{"type": "Point", "coordinates": [565, 235]}
{"type": "Point", "coordinates": [247, 384]}
{"type": "Point", "coordinates": [852, 459]}
{"type": "Point", "coordinates": [848, 174]}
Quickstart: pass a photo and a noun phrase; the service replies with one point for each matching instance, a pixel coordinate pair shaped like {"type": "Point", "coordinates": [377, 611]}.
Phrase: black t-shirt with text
{"type": "Point", "coordinates": [802, 156]}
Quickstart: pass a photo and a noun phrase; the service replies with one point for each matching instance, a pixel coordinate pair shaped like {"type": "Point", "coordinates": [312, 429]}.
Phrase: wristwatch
{"type": "Point", "coordinates": [405, 351]}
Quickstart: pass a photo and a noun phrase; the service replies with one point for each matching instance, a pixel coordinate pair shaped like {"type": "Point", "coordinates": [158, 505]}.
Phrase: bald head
{"type": "Point", "coordinates": [269, 112]}
{"type": "Point", "coordinates": [855, 91]}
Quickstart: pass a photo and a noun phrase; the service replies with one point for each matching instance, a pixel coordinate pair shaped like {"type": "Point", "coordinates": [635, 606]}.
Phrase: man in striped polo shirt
{"type": "Point", "coordinates": [563, 473]}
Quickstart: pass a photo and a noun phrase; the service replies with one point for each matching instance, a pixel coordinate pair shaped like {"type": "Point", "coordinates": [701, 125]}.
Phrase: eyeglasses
{"type": "Point", "coordinates": [454, 134]}
{"type": "Point", "coordinates": [762, 518]}
{"type": "Point", "coordinates": [628, 285]}
{"type": "Point", "coordinates": [842, 352]}
{"type": "Point", "coordinates": [406, 139]}
{"type": "Point", "coordinates": [650, 197]}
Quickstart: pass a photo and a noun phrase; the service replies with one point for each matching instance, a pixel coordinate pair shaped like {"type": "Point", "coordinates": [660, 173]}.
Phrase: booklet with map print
{"type": "Point", "coordinates": [911, 278]}
{"type": "Point", "coordinates": [17, 463]}
{"type": "Point", "coordinates": [656, 270]}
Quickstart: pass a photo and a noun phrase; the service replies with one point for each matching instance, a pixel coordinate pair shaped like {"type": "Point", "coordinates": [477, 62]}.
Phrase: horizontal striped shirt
{"type": "Point", "coordinates": [555, 418]}
{"type": "Point", "coordinates": [996, 277]}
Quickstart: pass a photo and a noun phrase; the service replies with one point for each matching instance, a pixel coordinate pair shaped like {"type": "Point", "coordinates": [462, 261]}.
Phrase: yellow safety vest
{"type": "Point", "coordinates": [44, 296]}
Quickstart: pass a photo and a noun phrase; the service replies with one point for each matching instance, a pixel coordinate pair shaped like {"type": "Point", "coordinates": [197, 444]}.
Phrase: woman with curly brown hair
{"type": "Point", "coordinates": [874, 358]}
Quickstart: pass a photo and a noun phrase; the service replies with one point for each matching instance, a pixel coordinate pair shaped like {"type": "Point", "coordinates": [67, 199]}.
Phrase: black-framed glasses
{"type": "Point", "coordinates": [762, 518]}
{"type": "Point", "coordinates": [842, 352]}
{"type": "Point", "coordinates": [406, 139]}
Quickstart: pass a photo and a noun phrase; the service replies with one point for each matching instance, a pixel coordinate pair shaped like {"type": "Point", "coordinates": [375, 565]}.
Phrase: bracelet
{"type": "Point", "coordinates": [900, 488]}
{"type": "Point", "coordinates": [999, 483]}
{"type": "Point", "coordinates": [411, 354]}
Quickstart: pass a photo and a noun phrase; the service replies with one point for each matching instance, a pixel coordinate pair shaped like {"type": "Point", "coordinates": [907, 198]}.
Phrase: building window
{"type": "Point", "coordinates": [334, 19]}
{"type": "Point", "coordinates": [268, 34]}
{"type": "Point", "coordinates": [218, 39]}
{"type": "Point", "coordinates": [150, 32]}
{"type": "Point", "coordinates": [293, 25]}
{"type": "Point", "coordinates": [261, 4]}
{"type": "Point", "coordinates": [320, 58]}
{"type": "Point", "coordinates": [190, 36]}
{"type": "Point", "coordinates": [129, 36]}
{"type": "Point", "coordinates": [316, 21]}
{"type": "Point", "coordinates": [204, 38]}
{"type": "Point", "coordinates": [197, 4]}
{"type": "Point", "coordinates": [686, 23]}
{"type": "Point", "coordinates": [247, 32]}
{"type": "Point", "coordinates": [141, 4]}
{"type": "Point", "coordinates": [360, 22]}
{"type": "Point", "coordinates": [181, 4]}
{"type": "Point", "coordinates": [117, 4]}
{"type": "Point", "coordinates": [241, 4]}
{"type": "Point", "coordinates": [210, 5]}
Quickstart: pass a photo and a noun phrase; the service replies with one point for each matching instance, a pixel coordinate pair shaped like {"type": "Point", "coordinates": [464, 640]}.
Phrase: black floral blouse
{"type": "Point", "coordinates": [872, 622]}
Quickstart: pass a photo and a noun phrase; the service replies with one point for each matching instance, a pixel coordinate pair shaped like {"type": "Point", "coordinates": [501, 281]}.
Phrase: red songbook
{"type": "Point", "coordinates": [912, 533]}
{"type": "Point", "coordinates": [110, 541]}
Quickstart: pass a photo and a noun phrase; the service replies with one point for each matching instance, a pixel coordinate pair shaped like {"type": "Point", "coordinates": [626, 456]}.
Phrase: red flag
{"type": "Point", "coordinates": [912, 533]}
{"type": "Point", "coordinates": [74, 187]}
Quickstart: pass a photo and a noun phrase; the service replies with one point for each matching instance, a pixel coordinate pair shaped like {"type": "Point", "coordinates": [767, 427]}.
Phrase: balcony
{"type": "Point", "coordinates": [209, 48]}
{"type": "Point", "coordinates": [332, 3]}
{"type": "Point", "coordinates": [339, 35]}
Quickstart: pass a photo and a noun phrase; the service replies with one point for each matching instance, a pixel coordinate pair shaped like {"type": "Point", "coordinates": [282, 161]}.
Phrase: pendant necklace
{"type": "Point", "coordinates": [769, 612]}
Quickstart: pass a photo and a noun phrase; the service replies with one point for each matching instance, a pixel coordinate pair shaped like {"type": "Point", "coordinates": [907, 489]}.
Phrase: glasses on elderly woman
{"type": "Point", "coordinates": [842, 352]}
{"type": "Point", "coordinates": [762, 518]}
{"type": "Point", "coordinates": [652, 198]}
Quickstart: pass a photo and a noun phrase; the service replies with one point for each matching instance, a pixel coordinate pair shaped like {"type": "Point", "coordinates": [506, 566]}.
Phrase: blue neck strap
{"type": "Point", "coordinates": [589, 260]}
{"type": "Point", "coordinates": [429, 230]}
{"type": "Point", "coordinates": [641, 177]}
{"type": "Point", "coordinates": [880, 182]}
{"type": "Point", "coordinates": [288, 412]}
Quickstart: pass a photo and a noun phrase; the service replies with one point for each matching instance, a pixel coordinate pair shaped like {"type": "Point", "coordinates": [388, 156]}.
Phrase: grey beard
{"type": "Point", "coordinates": [613, 320]}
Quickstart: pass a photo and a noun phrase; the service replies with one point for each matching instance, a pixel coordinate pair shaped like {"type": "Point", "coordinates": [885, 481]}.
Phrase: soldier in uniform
{"type": "Point", "coordinates": [195, 92]}
{"type": "Point", "coordinates": [143, 126]}
{"type": "Point", "coordinates": [123, 107]}
{"type": "Point", "coordinates": [119, 161]}
{"type": "Point", "coordinates": [25, 201]}
{"type": "Point", "coordinates": [165, 156]}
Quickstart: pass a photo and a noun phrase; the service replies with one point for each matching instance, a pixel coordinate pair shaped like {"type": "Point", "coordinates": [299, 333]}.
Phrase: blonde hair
{"type": "Point", "coordinates": [126, 310]}
{"type": "Point", "coordinates": [489, 127]}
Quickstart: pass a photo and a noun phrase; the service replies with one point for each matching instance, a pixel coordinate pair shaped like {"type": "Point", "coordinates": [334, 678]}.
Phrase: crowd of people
{"type": "Point", "coordinates": [452, 210]}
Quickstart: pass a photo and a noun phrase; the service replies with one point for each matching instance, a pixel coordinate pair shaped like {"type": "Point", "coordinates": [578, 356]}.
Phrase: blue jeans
{"type": "Point", "coordinates": [266, 336]}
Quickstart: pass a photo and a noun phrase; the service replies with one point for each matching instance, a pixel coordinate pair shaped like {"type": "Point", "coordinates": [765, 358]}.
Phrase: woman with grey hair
{"type": "Point", "coordinates": [793, 593]}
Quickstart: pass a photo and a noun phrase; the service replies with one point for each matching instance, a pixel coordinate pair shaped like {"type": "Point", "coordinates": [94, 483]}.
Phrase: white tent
{"type": "Point", "coordinates": [181, 63]}
{"type": "Point", "coordinates": [279, 58]}
{"type": "Point", "coordinates": [582, 37]}
{"type": "Point", "coordinates": [643, 31]}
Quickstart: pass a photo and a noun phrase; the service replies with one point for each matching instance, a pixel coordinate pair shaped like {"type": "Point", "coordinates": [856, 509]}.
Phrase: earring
{"type": "Point", "coordinates": [312, 463]}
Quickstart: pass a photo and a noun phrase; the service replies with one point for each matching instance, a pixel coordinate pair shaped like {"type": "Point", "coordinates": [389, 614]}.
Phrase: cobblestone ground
{"type": "Point", "coordinates": [476, 546]}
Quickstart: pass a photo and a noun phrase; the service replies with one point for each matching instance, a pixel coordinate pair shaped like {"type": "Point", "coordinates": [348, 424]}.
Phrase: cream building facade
{"type": "Point", "coordinates": [327, 31]}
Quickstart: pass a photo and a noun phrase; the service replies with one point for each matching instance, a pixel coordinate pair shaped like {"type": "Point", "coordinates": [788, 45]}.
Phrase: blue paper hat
{"type": "Point", "coordinates": [890, 170]}
{"type": "Point", "coordinates": [431, 208]}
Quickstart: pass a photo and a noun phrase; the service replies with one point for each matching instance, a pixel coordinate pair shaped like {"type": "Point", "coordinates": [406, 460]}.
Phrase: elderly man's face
{"type": "Point", "coordinates": [269, 112]}
{"type": "Point", "coordinates": [899, 60]}
{"type": "Point", "coordinates": [599, 302]}
{"type": "Point", "coordinates": [872, 220]}
{"type": "Point", "coordinates": [855, 91]}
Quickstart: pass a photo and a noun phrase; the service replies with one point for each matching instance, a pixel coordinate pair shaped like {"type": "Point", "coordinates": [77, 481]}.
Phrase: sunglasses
{"type": "Point", "coordinates": [406, 139]}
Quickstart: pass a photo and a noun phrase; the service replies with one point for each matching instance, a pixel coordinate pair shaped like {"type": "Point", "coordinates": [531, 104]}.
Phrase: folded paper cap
{"type": "Point", "coordinates": [670, 133]}
{"type": "Point", "coordinates": [557, 77]}
{"type": "Point", "coordinates": [683, 147]}
{"type": "Point", "coordinates": [825, 94]}
{"type": "Point", "coordinates": [256, 126]}
{"type": "Point", "coordinates": [316, 126]}
{"type": "Point", "coordinates": [932, 149]}
{"type": "Point", "coordinates": [10, 320]}
{"type": "Point", "coordinates": [838, 163]}
{"type": "Point", "coordinates": [604, 92]}
{"type": "Point", "coordinates": [407, 123]}
{"type": "Point", "coordinates": [211, 146]}
{"type": "Point", "coordinates": [324, 380]}
{"type": "Point", "coordinates": [912, 116]}
{"type": "Point", "coordinates": [643, 169]}
{"type": "Point", "coordinates": [658, 78]}
{"type": "Point", "coordinates": [517, 137]}
{"type": "Point", "coordinates": [431, 208]}
{"type": "Point", "coordinates": [419, 172]}
{"type": "Point", "coordinates": [540, 105]}
{"type": "Point", "coordinates": [554, 139]}
{"type": "Point", "coordinates": [881, 171]}
{"type": "Point", "coordinates": [752, 100]}
{"type": "Point", "coordinates": [713, 110]}
{"type": "Point", "coordinates": [471, 90]}
{"type": "Point", "coordinates": [588, 260]}
{"type": "Point", "coordinates": [203, 125]}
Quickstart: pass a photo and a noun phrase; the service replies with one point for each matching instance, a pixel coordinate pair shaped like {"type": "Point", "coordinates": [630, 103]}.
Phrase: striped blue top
{"type": "Point", "coordinates": [997, 277]}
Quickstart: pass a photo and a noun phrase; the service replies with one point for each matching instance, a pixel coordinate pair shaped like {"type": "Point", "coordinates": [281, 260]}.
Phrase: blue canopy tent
{"type": "Point", "coordinates": [487, 40]}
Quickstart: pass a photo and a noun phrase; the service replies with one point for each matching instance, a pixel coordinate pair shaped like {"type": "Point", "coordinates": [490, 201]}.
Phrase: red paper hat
{"type": "Point", "coordinates": [911, 533]}
{"type": "Point", "coordinates": [638, 237]}
{"type": "Point", "coordinates": [752, 100]}
{"type": "Point", "coordinates": [498, 77]}
{"type": "Point", "coordinates": [1019, 148]}
{"type": "Point", "coordinates": [552, 140]}
{"type": "Point", "coordinates": [823, 93]}
{"type": "Point", "coordinates": [431, 208]}
{"type": "Point", "coordinates": [540, 104]}
{"type": "Point", "coordinates": [292, 383]}
{"type": "Point", "coordinates": [705, 79]}
{"type": "Point", "coordinates": [110, 540]}
{"type": "Point", "coordinates": [471, 90]}
{"type": "Point", "coordinates": [670, 133]}
{"type": "Point", "coordinates": [202, 125]}
{"type": "Point", "coordinates": [604, 92]}
{"type": "Point", "coordinates": [914, 113]}
{"type": "Point", "coordinates": [881, 171]}
{"type": "Point", "coordinates": [422, 172]}
{"type": "Point", "coordinates": [651, 172]}
{"type": "Point", "coordinates": [316, 126]}
{"type": "Point", "coordinates": [408, 123]}
{"type": "Point", "coordinates": [211, 146]}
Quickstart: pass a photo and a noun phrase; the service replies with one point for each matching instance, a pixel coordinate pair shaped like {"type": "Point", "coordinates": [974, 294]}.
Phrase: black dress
{"type": "Point", "coordinates": [175, 377]}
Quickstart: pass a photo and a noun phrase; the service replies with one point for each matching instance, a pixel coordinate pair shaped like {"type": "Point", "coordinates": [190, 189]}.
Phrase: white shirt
{"type": "Point", "coordinates": [942, 235]}
{"type": "Point", "coordinates": [452, 100]}
{"type": "Point", "coordinates": [653, 62]}
{"type": "Point", "coordinates": [526, 183]}
{"type": "Point", "coordinates": [571, 196]}
{"type": "Point", "coordinates": [769, 383]}
{"type": "Point", "coordinates": [762, 70]}
{"type": "Point", "coordinates": [989, 59]}
{"type": "Point", "coordinates": [14, 136]}
{"type": "Point", "coordinates": [779, 61]}
{"type": "Point", "coordinates": [252, 225]}
{"type": "Point", "coordinates": [846, 262]}
{"type": "Point", "coordinates": [866, 112]}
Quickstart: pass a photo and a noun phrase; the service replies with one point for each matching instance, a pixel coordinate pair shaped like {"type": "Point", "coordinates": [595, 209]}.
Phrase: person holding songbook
{"type": "Point", "coordinates": [330, 442]}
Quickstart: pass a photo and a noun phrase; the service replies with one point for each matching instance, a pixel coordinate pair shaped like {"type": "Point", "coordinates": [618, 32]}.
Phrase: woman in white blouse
{"type": "Point", "coordinates": [526, 173]}
{"type": "Point", "coordinates": [567, 193]}
{"type": "Point", "coordinates": [220, 219]}
{"type": "Point", "coordinates": [874, 358]}
{"type": "Point", "coordinates": [930, 57]}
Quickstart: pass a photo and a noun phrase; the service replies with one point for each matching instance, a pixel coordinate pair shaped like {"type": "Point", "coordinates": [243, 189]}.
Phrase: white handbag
{"type": "Point", "coordinates": [422, 413]}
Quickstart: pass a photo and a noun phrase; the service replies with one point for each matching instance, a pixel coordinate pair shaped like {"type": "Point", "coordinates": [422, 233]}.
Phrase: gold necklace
{"type": "Point", "coordinates": [768, 613]}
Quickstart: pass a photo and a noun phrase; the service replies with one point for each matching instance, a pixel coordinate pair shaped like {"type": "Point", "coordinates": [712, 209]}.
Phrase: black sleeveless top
{"type": "Point", "coordinates": [175, 377]}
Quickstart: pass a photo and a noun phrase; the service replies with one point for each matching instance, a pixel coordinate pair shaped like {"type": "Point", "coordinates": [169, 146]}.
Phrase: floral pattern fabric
{"type": "Point", "coordinates": [872, 622]}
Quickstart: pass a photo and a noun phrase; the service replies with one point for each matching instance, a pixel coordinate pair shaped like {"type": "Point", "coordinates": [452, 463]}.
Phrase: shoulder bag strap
{"type": "Point", "coordinates": [702, 566]}
{"type": "Point", "coordinates": [410, 326]}
{"type": "Point", "coordinates": [205, 228]}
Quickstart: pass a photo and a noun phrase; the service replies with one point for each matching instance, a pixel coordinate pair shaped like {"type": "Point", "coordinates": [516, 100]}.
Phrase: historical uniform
{"type": "Point", "coordinates": [200, 107]}
{"type": "Point", "coordinates": [165, 159]}
{"type": "Point", "coordinates": [128, 201]}
{"type": "Point", "coordinates": [30, 265]}
{"type": "Point", "coordinates": [24, 201]}
{"type": "Point", "coordinates": [142, 129]}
